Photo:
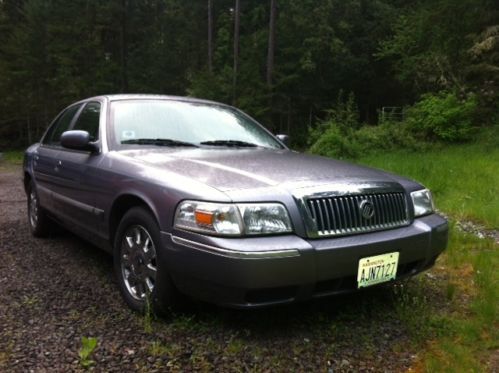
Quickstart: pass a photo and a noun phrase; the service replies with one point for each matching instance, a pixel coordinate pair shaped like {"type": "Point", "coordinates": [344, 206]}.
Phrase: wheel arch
{"type": "Point", "coordinates": [119, 208]}
{"type": "Point", "coordinates": [27, 180]}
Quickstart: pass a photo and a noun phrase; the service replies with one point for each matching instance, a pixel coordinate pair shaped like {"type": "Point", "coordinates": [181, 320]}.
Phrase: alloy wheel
{"type": "Point", "coordinates": [33, 209]}
{"type": "Point", "coordinates": [138, 262]}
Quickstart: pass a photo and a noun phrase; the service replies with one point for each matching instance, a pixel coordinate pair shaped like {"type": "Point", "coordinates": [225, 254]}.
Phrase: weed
{"type": "Point", "coordinates": [5, 355]}
{"type": "Point", "coordinates": [148, 316]}
{"type": "Point", "coordinates": [30, 301]}
{"type": "Point", "coordinates": [159, 349]}
{"type": "Point", "coordinates": [411, 306]}
{"type": "Point", "coordinates": [88, 346]}
{"type": "Point", "coordinates": [234, 346]}
{"type": "Point", "coordinates": [450, 291]}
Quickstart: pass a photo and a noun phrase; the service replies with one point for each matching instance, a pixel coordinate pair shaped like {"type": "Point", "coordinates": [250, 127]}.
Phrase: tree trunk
{"type": "Point", "coordinates": [237, 11]}
{"type": "Point", "coordinates": [210, 36]}
{"type": "Point", "coordinates": [271, 46]}
{"type": "Point", "coordinates": [123, 47]}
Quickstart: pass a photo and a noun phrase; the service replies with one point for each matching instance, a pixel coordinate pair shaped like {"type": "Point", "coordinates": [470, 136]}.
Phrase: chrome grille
{"type": "Point", "coordinates": [342, 215]}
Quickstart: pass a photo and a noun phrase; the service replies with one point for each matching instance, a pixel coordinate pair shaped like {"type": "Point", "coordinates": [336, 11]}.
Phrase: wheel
{"type": "Point", "coordinates": [142, 282]}
{"type": "Point", "coordinates": [38, 221]}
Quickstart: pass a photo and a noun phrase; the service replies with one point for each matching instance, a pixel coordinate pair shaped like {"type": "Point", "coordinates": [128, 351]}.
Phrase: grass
{"type": "Point", "coordinates": [462, 334]}
{"type": "Point", "coordinates": [13, 156]}
{"type": "Point", "coordinates": [463, 178]}
{"type": "Point", "coordinates": [465, 334]}
{"type": "Point", "coordinates": [11, 160]}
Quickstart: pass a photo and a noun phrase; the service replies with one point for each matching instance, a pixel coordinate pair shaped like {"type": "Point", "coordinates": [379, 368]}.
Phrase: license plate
{"type": "Point", "coordinates": [376, 269]}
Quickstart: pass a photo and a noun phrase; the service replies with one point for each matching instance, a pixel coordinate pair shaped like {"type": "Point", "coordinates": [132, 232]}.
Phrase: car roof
{"type": "Point", "coordinates": [129, 96]}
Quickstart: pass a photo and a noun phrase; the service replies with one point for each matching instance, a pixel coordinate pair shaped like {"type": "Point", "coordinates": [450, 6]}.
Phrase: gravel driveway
{"type": "Point", "coordinates": [55, 291]}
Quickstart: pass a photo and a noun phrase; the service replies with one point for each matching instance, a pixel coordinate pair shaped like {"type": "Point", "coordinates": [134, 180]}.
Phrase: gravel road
{"type": "Point", "coordinates": [55, 291]}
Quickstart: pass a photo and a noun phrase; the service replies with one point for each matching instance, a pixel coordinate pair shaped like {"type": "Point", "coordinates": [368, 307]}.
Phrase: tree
{"type": "Point", "coordinates": [210, 36]}
{"type": "Point", "coordinates": [237, 14]}
{"type": "Point", "coordinates": [271, 47]}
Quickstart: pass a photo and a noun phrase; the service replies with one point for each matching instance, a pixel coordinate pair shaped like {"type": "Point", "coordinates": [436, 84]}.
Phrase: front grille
{"type": "Point", "coordinates": [342, 215]}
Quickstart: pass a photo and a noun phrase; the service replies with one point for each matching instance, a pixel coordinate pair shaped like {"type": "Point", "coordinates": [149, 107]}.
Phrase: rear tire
{"type": "Point", "coordinates": [39, 223]}
{"type": "Point", "coordinates": [143, 284]}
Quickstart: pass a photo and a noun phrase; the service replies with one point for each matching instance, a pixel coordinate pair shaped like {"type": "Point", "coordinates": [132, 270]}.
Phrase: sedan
{"type": "Point", "coordinates": [196, 199]}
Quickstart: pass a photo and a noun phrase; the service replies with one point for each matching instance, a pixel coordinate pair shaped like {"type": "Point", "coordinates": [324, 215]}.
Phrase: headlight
{"type": "Point", "coordinates": [233, 219]}
{"type": "Point", "coordinates": [423, 202]}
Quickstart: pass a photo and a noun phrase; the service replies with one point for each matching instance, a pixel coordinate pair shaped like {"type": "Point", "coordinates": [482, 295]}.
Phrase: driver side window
{"type": "Point", "coordinates": [53, 136]}
{"type": "Point", "coordinates": [89, 120]}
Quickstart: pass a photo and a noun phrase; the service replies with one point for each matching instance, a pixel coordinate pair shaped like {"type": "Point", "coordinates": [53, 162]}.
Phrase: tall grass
{"type": "Point", "coordinates": [463, 178]}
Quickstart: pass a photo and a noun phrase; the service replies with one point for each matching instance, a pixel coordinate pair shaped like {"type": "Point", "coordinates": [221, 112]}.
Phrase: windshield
{"type": "Point", "coordinates": [176, 123]}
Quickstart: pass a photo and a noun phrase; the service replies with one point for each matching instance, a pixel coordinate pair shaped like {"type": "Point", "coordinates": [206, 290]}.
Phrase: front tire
{"type": "Point", "coordinates": [39, 223]}
{"type": "Point", "coordinates": [142, 281]}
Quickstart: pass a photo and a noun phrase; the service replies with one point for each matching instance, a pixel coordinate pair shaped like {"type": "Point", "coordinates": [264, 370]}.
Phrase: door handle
{"type": "Point", "coordinates": [59, 164]}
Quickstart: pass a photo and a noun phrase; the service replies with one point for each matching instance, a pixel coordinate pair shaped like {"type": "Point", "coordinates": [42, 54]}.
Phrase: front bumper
{"type": "Point", "coordinates": [262, 271]}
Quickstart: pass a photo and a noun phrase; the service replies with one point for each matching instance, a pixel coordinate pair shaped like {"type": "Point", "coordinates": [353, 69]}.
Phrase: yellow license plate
{"type": "Point", "coordinates": [376, 269]}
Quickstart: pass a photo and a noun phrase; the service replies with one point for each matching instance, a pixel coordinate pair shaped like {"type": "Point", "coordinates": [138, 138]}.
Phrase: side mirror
{"type": "Point", "coordinates": [78, 140]}
{"type": "Point", "coordinates": [284, 139]}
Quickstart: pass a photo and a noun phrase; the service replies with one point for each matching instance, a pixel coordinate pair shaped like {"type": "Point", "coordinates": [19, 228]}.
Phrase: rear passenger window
{"type": "Point", "coordinates": [53, 136]}
{"type": "Point", "coordinates": [89, 120]}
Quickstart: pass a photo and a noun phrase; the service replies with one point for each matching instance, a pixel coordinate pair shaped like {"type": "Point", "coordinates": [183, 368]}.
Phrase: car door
{"type": "Point", "coordinates": [74, 195]}
{"type": "Point", "coordinates": [45, 157]}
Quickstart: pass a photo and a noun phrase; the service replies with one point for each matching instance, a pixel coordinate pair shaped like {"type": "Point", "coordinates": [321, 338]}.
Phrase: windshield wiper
{"type": "Point", "coordinates": [158, 142]}
{"type": "Point", "coordinates": [235, 143]}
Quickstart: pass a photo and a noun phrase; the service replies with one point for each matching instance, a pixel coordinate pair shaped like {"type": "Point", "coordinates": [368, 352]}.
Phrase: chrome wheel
{"type": "Point", "coordinates": [33, 209]}
{"type": "Point", "coordinates": [138, 262]}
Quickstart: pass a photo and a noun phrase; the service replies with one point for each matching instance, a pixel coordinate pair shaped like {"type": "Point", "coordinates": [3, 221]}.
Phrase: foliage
{"type": "Point", "coordinates": [443, 116]}
{"type": "Point", "coordinates": [344, 116]}
{"type": "Point", "coordinates": [335, 144]}
{"type": "Point", "coordinates": [88, 346]}
{"type": "Point", "coordinates": [386, 52]}
{"type": "Point", "coordinates": [429, 46]}
{"type": "Point", "coordinates": [341, 135]}
{"type": "Point", "coordinates": [436, 117]}
{"type": "Point", "coordinates": [388, 136]}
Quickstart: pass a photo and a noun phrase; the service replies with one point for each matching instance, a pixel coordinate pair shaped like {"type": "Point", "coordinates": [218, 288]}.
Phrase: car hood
{"type": "Point", "coordinates": [229, 169]}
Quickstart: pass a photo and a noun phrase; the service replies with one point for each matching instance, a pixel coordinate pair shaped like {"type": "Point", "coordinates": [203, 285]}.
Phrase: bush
{"type": "Point", "coordinates": [386, 136]}
{"type": "Point", "coordinates": [331, 140]}
{"type": "Point", "coordinates": [334, 143]}
{"type": "Point", "coordinates": [436, 117]}
{"type": "Point", "coordinates": [443, 116]}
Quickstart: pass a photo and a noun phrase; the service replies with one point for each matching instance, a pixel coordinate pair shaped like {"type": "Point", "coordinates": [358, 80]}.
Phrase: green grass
{"type": "Point", "coordinates": [466, 333]}
{"type": "Point", "coordinates": [13, 157]}
{"type": "Point", "coordinates": [463, 178]}
{"type": "Point", "coordinates": [462, 333]}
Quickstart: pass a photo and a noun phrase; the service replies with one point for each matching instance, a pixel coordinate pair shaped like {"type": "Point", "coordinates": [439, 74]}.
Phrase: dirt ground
{"type": "Point", "coordinates": [55, 291]}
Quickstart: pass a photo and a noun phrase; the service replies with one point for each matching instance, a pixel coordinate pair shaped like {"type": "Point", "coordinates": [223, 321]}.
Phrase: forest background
{"type": "Point", "coordinates": [339, 76]}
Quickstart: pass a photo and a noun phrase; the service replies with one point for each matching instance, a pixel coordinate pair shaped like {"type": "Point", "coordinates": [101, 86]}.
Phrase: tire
{"type": "Point", "coordinates": [143, 284]}
{"type": "Point", "coordinates": [39, 223]}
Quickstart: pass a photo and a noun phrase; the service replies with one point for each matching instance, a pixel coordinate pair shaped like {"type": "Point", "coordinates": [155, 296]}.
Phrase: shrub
{"type": "Point", "coordinates": [443, 116]}
{"type": "Point", "coordinates": [333, 142]}
{"type": "Point", "coordinates": [386, 136]}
